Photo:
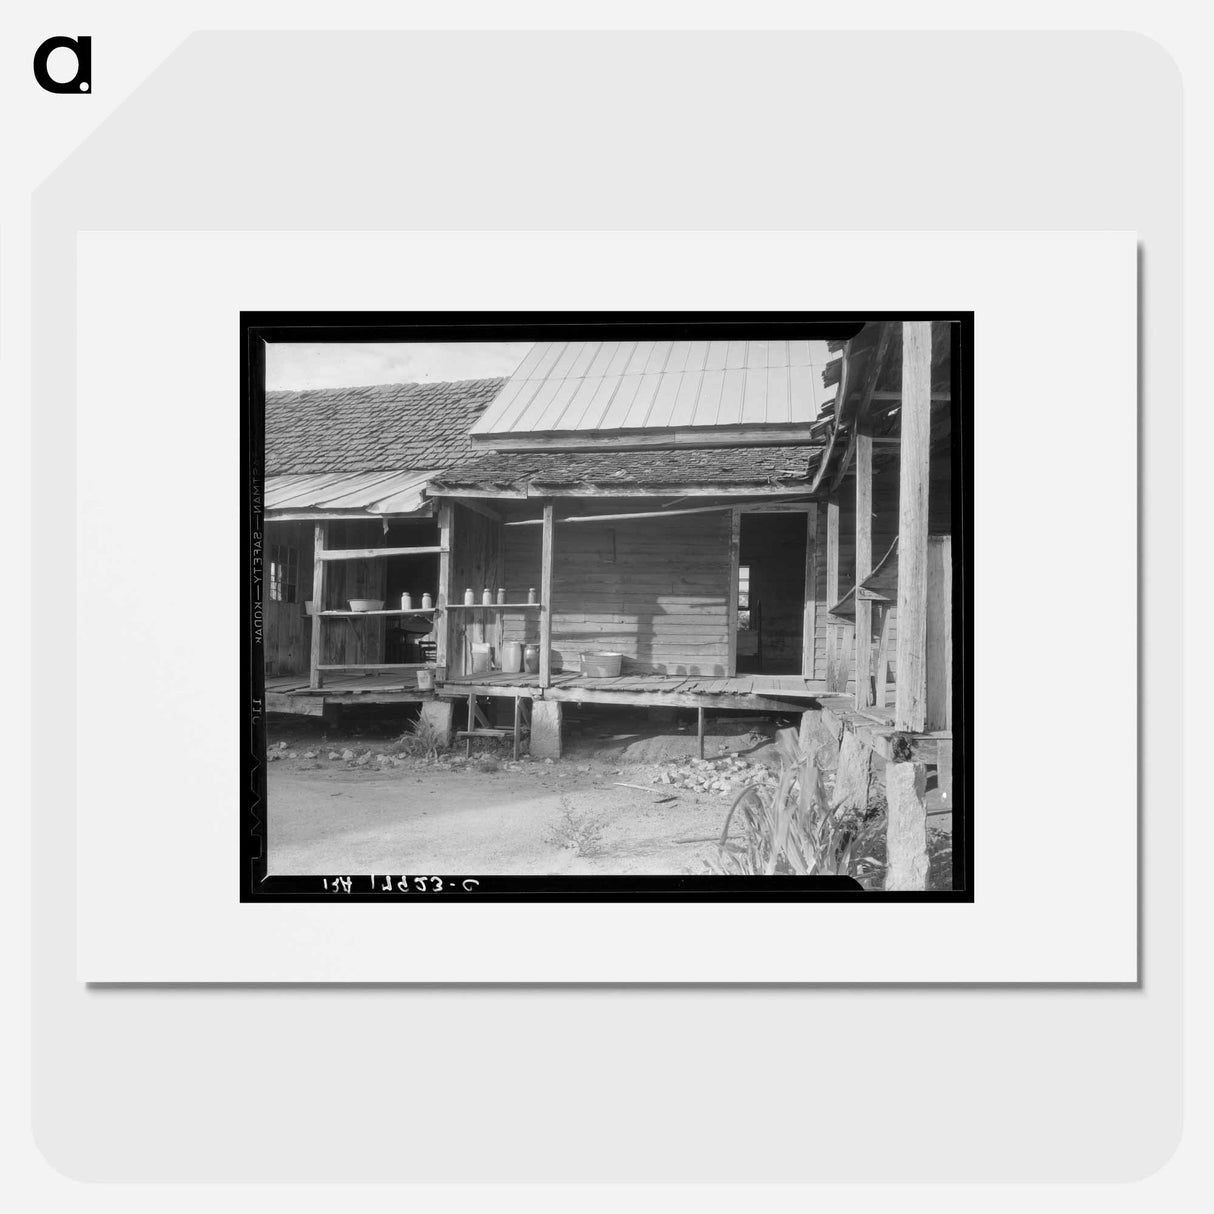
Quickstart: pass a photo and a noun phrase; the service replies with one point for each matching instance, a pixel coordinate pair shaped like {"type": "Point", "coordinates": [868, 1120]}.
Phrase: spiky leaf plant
{"type": "Point", "coordinates": [792, 827]}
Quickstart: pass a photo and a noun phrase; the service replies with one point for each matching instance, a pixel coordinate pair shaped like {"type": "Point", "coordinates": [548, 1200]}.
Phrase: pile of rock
{"type": "Point", "coordinates": [720, 777]}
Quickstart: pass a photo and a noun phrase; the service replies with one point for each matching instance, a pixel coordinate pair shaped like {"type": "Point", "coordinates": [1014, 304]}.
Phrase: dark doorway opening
{"type": "Point", "coordinates": [770, 593]}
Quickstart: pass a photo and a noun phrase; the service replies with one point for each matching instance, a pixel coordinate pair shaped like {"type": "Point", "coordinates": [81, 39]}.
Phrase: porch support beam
{"type": "Point", "coordinates": [731, 636]}
{"type": "Point", "coordinates": [809, 622]}
{"type": "Point", "coordinates": [833, 630]}
{"type": "Point", "coordinates": [864, 566]}
{"type": "Point", "coordinates": [910, 699]}
{"type": "Point", "coordinates": [318, 602]}
{"type": "Point", "coordinates": [546, 595]}
{"type": "Point", "coordinates": [442, 633]}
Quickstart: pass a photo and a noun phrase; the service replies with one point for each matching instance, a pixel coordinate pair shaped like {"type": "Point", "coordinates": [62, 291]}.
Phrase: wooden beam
{"type": "Point", "coordinates": [604, 518]}
{"type": "Point", "coordinates": [939, 641]}
{"type": "Point", "coordinates": [541, 492]}
{"type": "Point", "coordinates": [700, 730]}
{"type": "Point", "coordinates": [897, 396]}
{"type": "Point", "coordinates": [882, 674]}
{"type": "Point", "coordinates": [864, 566]}
{"type": "Point", "coordinates": [833, 630]}
{"type": "Point", "coordinates": [445, 622]}
{"type": "Point", "coordinates": [663, 489]}
{"type": "Point", "coordinates": [484, 511]}
{"type": "Point", "coordinates": [312, 516]}
{"type": "Point", "coordinates": [883, 740]}
{"type": "Point", "coordinates": [378, 666]}
{"type": "Point", "coordinates": [809, 621]}
{"type": "Point", "coordinates": [910, 700]}
{"type": "Point", "coordinates": [363, 554]}
{"type": "Point", "coordinates": [546, 595]}
{"type": "Point", "coordinates": [739, 434]}
{"type": "Point", "coordinates": [676, 699]}
{"type": "Point", "coordinates": [856, 423]}
{"type": "Point", "coordinates": [318, 600]}
{"type": "Point", "coordinates": [731, 625]}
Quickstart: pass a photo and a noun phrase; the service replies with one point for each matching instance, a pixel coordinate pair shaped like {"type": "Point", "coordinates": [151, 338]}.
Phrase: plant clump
{"type": "Point", "coordinates": [791, 826]}
{"type": "Point", "coordinates": [580, 833]}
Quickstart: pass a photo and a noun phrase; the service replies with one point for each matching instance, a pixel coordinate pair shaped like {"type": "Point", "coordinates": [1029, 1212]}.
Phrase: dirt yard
{"type": "Point", "coordinates": [349, 799]}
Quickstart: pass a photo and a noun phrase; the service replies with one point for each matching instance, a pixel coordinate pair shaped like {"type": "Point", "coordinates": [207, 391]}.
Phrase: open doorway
{"type": "Point", "coordinates": [770, 591]}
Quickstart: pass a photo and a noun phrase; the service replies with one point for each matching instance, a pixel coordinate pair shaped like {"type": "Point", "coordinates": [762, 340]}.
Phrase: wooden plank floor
{"type": "Point", "coordinates": [646, 688]}
{"type": "Point", "coordinates": [778, 685]}
{"type": "Point", "coordinates": [378, 681]}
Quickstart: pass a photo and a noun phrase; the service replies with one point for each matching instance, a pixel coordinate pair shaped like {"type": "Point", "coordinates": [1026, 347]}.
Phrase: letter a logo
{"type": "Point", "coordinates": [82, 81]}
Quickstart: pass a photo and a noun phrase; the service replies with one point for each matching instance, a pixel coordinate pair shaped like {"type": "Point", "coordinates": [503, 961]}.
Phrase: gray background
{"type": "Point", "coordinates": [542, 131]}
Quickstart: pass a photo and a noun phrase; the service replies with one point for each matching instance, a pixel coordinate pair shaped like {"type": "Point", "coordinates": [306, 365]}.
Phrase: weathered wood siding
{"type": "Point", "coordinates": [286, 629]}
{"type": "Point", "coordinates": [655, 590]}
{"type": "Point", "coordinates": [346, 641]}
{"type": "Point", "coordinates": [476, 547]}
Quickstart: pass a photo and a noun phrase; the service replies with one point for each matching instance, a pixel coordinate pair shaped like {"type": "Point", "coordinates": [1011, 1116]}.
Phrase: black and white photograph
{"type": "Point", "coordinates": [618, 605]}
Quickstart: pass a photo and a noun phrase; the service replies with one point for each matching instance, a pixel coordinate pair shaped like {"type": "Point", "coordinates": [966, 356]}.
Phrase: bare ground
{"type": "Point", "coordinates": [380, 811]}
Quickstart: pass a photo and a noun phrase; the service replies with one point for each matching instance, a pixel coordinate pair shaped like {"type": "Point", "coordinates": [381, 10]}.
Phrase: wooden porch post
{"type": "Point", "coordinates": [832, 595]}
{"type": "Point", "coordinates": [864, 567]}
{"type": "Point", "coordinates": [546, 595]}
{"type": "Point", "coordinates": [318, 601]}
{"type": "Point", "coordinates": [731, 614]}
{"type": "Point", "coordinates": [809, 624]}
{"type": "Point", "coordinates": [938, 696]}
{"type": "Point", "coordinates": [910, 700]}
{"type": "Point", "coordinates": [443, 624]}
{"type": "Point", "coordinates": [906, 824]}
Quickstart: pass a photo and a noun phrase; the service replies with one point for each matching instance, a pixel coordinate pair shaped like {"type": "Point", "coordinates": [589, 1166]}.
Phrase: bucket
{"type": "Point", "coordinates": [601, 665]}
{"type": "Point", "coordinates": [512, 657]}
{"type": "Point", "coordinates": [425, 680]}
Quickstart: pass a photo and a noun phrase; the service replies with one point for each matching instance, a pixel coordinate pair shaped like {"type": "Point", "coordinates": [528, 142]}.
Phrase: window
{"type": "Point", "coordinates": [284, 573]}
{"type": "Point", "coordinates": [743, 598]}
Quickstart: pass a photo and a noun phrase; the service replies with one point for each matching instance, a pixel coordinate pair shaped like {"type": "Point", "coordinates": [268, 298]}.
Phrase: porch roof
{"type": "Point", "coordinates": [345, 494]}
{"type": "Point", "coordinates": [566, 392]}
{"type": "Point", "coordinates": [594, 474]}
{"type": "Point", "coordinates": [382, 427]}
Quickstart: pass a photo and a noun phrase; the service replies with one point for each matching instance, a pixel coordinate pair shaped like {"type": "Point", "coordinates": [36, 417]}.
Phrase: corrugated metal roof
{"type": "Point", "coordinates": [375, 493]}
{"type": "Point", "coordinates": [570, 387]}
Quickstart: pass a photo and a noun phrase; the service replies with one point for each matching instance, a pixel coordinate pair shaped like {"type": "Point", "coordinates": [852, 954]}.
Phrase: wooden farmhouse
{"type": "Point", "coordinates": [718, 526]}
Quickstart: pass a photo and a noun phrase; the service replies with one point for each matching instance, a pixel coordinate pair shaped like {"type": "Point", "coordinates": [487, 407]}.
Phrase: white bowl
{"type": "Point", "coordinates": [366, 604]}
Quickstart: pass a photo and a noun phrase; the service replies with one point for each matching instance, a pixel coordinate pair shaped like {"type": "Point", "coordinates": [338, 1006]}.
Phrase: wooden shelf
{"type": "Point", "coordinates": [370, 554]}
{"type": "Point", "coordinates": [354, 615]}
{"type": "Point", "coordinates": [488, 606]}
{"type": "Point", "coordinates": [380, 666]}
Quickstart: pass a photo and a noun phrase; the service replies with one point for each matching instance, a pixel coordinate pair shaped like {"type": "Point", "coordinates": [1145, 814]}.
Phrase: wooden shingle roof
{"type": "Point", "coordinates": [762, 468]}
{"type": "Point", "coordinates": [385, 426]}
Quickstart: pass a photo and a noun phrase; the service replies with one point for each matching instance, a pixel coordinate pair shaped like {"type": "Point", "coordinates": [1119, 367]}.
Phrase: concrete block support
{"type": "Point", "coordinates": [439, 714]}
{"type": "Point", "coordinates": [906, 830]}
{"type": "Point", "coordinates": [546, 729]}
{"type": "Point", "coordinates": [853, 773]}
{"type": "Point", "coordinates": [816, 735]}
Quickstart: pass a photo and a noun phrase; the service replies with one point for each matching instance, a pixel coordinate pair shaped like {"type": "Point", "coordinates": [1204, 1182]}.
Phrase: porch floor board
{"type": "Point", "coordinates": [752, 692]}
